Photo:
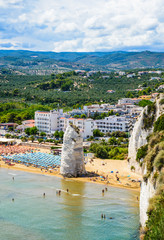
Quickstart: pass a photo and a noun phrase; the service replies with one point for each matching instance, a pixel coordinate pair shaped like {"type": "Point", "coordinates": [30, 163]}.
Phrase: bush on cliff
{"type": "Point", "coordinates": [155, 221]}
{"type": "Point", "coordinates": [141, 153]}
{"type": "Point", "coordinates": [159, 124]}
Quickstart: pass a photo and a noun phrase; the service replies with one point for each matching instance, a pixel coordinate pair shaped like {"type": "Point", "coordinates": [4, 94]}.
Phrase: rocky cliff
{"type": "Point", "coordinates": [72, 158]}
{"type": "Point", "coordinates": [142, 130]}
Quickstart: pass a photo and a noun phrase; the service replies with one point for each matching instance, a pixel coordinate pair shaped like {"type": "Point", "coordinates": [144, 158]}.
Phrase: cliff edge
{"type": "Point", "coordinates": [146, 153]}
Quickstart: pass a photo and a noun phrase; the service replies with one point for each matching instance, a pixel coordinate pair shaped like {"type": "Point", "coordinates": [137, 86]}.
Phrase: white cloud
{"type": "Point", "coordinates": [83, 25]}
{"type": "Point", "coordinates": [7, 3]}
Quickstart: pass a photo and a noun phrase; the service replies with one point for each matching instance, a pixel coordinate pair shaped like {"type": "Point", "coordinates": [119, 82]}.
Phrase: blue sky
{"type": "Point", "coordinates": [82, 25]}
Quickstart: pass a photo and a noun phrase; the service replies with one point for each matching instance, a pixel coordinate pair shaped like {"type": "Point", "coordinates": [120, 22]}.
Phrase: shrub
{"type": "Point", "coordinates": [132, 168]}
{"type": "Point", "coordinates": [155, 176]}
{"type": "Point", "coordinates": [101, 152]}
{"type": "Point", "coordinates": [155, 221]}
{"type": "Point", "coordinates": [141, 153]}
{"type": "Point", "coordinates": [161, 101]}
{"type": "Point", "coordinates": [97, 133]}
{"type": "Point", "coordinates": [148, 118]}
{"type": "Point", "coordinates": [159, 160]}
{"type": "Point", "coordinates": [93, 147]}
{"type": "Point", "coordinates": [159, 124]}
{"type": "Point", "coordinates": [146, 176]}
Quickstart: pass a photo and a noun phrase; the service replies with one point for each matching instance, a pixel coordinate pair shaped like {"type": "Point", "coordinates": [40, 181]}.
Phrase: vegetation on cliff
{"type": "Point", "coordinates": [154, 160]}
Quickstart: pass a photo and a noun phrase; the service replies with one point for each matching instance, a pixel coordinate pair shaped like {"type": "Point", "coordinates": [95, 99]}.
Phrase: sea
{"type": "Point", "coordinates": [25, 214]}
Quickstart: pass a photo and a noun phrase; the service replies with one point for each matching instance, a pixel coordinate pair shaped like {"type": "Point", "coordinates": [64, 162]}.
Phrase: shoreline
{"type": "Point", "coordinates": [125, 182]}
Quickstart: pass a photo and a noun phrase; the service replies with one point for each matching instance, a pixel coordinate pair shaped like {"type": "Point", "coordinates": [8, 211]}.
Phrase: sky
{"type": "Point", "coordinates": [82, 25]}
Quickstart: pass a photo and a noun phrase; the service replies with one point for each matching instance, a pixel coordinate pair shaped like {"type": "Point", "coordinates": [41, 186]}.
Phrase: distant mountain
{"type": "Point", "coordinates": [51, 61]}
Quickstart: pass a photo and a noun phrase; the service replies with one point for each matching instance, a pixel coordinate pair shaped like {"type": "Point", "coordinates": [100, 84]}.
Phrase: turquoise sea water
{"type": "Point", "coordinates": [72, 216]}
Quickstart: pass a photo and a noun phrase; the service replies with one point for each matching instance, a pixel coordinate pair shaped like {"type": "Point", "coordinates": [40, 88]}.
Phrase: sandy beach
{"type": "Point", "coordinates": [105, 172]}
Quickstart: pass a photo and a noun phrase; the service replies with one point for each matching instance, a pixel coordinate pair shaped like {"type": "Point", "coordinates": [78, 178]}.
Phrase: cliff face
{"type": "Point", "coordinates": [142, 129]}
{"type": "Point", "coordinates": [72, 158]}
{"type": "Point", "coordinates": [147, 192]}
{"type": "Point", "coordinates": [139, 135]}
{"type": "Point", "coordinates": [137, 139]}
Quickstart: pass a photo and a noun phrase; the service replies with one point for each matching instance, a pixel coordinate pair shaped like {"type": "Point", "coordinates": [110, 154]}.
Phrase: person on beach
{"type": "Point", "coordinates": [44, 195]}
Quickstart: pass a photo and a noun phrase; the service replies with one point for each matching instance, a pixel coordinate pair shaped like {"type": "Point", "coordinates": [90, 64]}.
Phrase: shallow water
{"type": "Point", "coordinates": [71, 216]}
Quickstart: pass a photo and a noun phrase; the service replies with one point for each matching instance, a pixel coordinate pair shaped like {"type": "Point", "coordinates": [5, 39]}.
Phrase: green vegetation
{"type": "Point", "coordinates": [149, 115]}
{"type": "Point", "coordinates": [144, 103]}
{"type": "Point", "coordinates": [31, 131]}
{"type": "Point", "coordinates": [17, 112]}
{"type": "Point", "coordinates": [97, 133]}
{"type": "Point", "coordinates": [24, 61]}
{"type": "Point", "coordinates": [159, 124]}
{"type": "Point", "coordinates": [71, 89]}
{"type": "Point", "coordinates": [155, 223]}
{"type": "Point", "coordinates": [113, 149]}
{"type": "Point", "coordinates": [153, 154]}
{"type": "Point", "coordinates": [59, 134]}
{"type": "Point", "coordinates": [141, 153]}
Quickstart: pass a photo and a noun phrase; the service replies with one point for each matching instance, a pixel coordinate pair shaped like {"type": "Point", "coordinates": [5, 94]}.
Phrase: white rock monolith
{"type": "Point", "coordinates": [72, 158]}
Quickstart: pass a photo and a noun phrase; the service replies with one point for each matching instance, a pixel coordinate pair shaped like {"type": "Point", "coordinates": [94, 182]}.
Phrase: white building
{"type": "Point", "coordinates": [48, 122]}
{"type": "Point", "coordinates": [128, 100]}
{"type": "Point", "coordinates": [113, 123]}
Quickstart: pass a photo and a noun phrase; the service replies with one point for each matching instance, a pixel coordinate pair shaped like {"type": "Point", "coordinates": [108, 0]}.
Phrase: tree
{"type": "Point", "coordinates": [7, 135]}
{"type": "Point", "coordinates": [33, 131]}
{"type": "Point", "coordinates": [97, 133]}
{"type": "Point", "coordinates": [101, 152]}
{"type": "Point", "coordinates": [42, 134]}
{"type": "Point", "coordinates": [83, 116]}
{"type": "Point", "coordinates": [32, 138]}
{"type": "Point", "coordinates": [129, 95]}
{"type": "Point", "coordinates": [40, 140]}
{"type": "Point", "coordinates": [27, 131]}
{"type": "Point", "coordinates": [112, 141]}
{"type": "Point", "coordinates": [61, 134]}
{"type": "Point", "coordinates": [15, 92]}
{"type": "Point", "coordinates": [10, 117]}
{"type": "Point", "coordinates": [24, 139]}
{"type": "Point", "coordinates": [56, 134]}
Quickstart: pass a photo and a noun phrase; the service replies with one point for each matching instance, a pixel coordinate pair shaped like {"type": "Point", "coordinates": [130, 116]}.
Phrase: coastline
{"type": "Point", "coordinates": [99, 166]}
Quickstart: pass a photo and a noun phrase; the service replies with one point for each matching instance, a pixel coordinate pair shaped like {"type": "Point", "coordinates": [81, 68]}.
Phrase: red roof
{"type": "Point", "coordinates": [30, 121]}
{"type": "Point", "coordinates": [40, 112]}
{"type": "Point", "coordinates": [30, 125]}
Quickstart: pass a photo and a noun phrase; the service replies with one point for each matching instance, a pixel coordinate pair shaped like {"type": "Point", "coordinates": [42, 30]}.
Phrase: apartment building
{"type": "Point", "coordinates": [113, 123]}
{"type": "Point", "coordinates": [48, 122]}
